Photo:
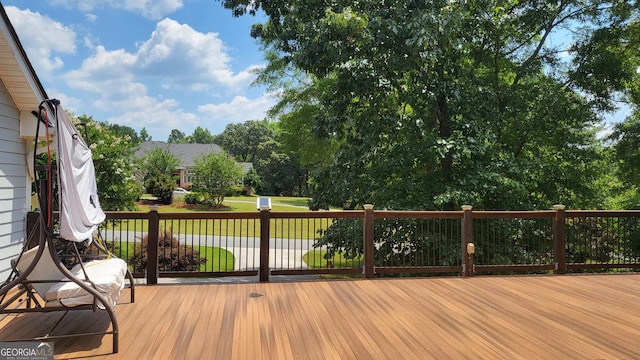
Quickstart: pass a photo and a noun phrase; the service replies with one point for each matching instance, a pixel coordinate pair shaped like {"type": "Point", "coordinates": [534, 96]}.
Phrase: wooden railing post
{"type": "Point", "coordinates": [152, 245]}
{"type": "Point", "coordinates": [367, 241]}
{"type": "Point", "coordinates": [265, 228]}
{"type": "Point", "coordinates": [467, 238]}
{"type": "Point", "coordinates": [559, 240]}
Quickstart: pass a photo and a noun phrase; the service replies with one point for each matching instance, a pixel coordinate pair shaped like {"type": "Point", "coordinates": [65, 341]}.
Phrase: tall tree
{"type": "Point", "coordinates": [158, 166]}
{"type": "Point", "coordinates": [233, 140]}
{"type": "Point", "coordinates": [431, 105]}
{"type": "Point", "coordinates": [144, 135]}
{"type": "Point", "coordinates": [279, 170]}
{"type": "Point", "coordinates": [215, 175]}
{"type": "Point", "coordinates": [280, 173]}
{"type": "Point", "coordinates": [626, 153]}
{"type": "Point", "coordinates": [177, 137]}
{"type": "Point", "coordinates": [242, 140]}
{"type": "Point", "coordinates": [201, 136]}
{"type": "Point", "coordinates": [125, 132]}
{"type": "Point", "coordinates": [112, 152]}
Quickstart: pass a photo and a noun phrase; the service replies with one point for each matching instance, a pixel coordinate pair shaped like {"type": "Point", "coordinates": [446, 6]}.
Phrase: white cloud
{"type": "Point", "coordinates": [41, 38]}
{"type": "Point", "coordinates": [155, 114]}
{"type": "Point", "coordinates": [88, 43]}
{"type": "Point", "coordinates": [152, 9]}
{"type": "Point", "coordinates": [71, 104]}
{"type": "Point", "coordinates": [186, 58]}
{"type": "Point", "coordinates": [239, 110]}
{"type": "Point", "coordinates": [104, 72]}
{"type": "Point", "coordinates": [175, 55]}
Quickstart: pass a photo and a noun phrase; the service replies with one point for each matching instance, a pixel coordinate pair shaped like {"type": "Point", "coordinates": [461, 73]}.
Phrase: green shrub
{"type": "Point", "coordinates": [234, 190]}
{"type": "Point", "coordinates": [193, 198]}
{"type": "Point", "coordinates": [171, 255]}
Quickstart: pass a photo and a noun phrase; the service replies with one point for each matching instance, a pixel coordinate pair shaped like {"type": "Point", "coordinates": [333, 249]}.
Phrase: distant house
{"type": "Point", "coordinates": [186, 153]}
{"type": "Point", "coordinates": [20, 93]}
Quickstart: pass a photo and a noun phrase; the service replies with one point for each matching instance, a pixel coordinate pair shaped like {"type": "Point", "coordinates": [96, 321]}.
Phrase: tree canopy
{"type": "Point", "coordinates": [113, 150]}
{"type": "Point", "coordinates": [200, 136]}
{"type": "Point", "coordinates": [158, 166]}
{"type": "Point", "coordinates": [177, 137]}
{"type": "Point", "coordinates": [626, 152]}
{"type": "Point", "coordinates": [432, 105]}
{"type": "Point", "coordinates": [277, 168]}
{"type": "Point", "coordinates": [242, 140]}
{"type": "Point", "coordinates": [215, 175]}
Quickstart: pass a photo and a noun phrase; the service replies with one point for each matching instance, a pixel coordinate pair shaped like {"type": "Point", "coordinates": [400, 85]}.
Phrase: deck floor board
{"type": "Point", "coordinates": [483, 317]}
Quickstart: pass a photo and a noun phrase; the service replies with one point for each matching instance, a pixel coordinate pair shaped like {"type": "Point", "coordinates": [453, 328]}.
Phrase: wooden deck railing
{"type": "Point", "coordinates": [372, 242]}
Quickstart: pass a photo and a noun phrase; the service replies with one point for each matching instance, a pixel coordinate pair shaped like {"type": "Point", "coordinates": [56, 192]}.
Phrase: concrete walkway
{"type": "Point", "coordinates": [249, 258]}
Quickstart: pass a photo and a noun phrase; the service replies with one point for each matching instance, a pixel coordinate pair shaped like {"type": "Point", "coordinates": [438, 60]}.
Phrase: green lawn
{"type": "Point", "coordinates": [278, 203]}
{"type": "Point", "coordinates": [284, 228]}
{"type": "Point", "coordinates": [315, 259]}
{"type": "Point", "coordinates": [238, 203]}
{"type": "Point", "coordinates": [218, 259]}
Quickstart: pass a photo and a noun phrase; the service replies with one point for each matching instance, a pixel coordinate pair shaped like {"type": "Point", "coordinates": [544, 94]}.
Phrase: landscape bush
{"type": "Point", "coordinates": [193, 198]}
{"type": "Point", "coordinates": [172, 256]}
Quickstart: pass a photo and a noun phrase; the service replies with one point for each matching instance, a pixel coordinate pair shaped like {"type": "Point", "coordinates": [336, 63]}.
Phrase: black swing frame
{"type": "Point", "coordinates": [17, 294]}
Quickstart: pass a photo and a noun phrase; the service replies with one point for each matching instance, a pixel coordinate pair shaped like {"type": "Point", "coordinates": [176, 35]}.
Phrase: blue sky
{"type": "Point", "coordinates": [158, 64]}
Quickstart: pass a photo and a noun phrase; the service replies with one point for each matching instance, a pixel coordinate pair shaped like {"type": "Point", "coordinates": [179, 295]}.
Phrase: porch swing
{"type": "Point", "coordinates": [40, 281]}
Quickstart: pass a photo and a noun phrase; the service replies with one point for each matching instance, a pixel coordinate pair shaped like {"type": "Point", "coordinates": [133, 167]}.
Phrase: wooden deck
{"type": "Point", "coordinates": [517, 317]}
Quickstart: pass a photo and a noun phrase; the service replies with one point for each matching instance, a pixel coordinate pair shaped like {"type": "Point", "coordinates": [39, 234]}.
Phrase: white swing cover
{"type": "Point", "coordinates": [107, 277]}
{"type": "Point", "coordinates": [80, 213]}
{"type": "Point", "coordinates": [80, 216]}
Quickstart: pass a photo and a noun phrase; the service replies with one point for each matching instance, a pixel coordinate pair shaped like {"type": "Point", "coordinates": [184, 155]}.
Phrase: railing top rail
{"type": "Point", "coordinates": [377, 214]}
{"type": "Point", "coordinates": [339, 214]}
{"type": "Point", "coordinates": [236, 214]}
{"type": "Point", "coordinates": [542, 214]}
{"type": "Point", "coordinates": [602, 213]}
{"type": "Point", "coordinates": [210, 215]}
{"type": "Point", "coordinates": [115, 215]}
{"type": "Point", "coordinates": [403, 214]}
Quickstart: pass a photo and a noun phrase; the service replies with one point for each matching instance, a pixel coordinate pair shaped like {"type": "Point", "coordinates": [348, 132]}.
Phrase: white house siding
{"type": "Point", "coordinates": [13, 183]}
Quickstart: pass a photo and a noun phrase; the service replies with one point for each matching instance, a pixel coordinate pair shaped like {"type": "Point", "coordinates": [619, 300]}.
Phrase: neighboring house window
{"type": "Point", "coordinates": [191, 172]}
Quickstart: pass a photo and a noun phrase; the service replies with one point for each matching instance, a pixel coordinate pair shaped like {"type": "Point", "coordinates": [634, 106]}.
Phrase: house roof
{"type": "Point", "coordinates": [185, 152]}
{"type": "Point", "coordinates": [16, 70]}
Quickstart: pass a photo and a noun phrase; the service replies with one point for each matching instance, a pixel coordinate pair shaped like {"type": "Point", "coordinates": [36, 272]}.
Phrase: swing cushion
{"type": "Point", "coordinates": [44, 270]}
{"type": "Point", "coordinates": [107, 275]}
